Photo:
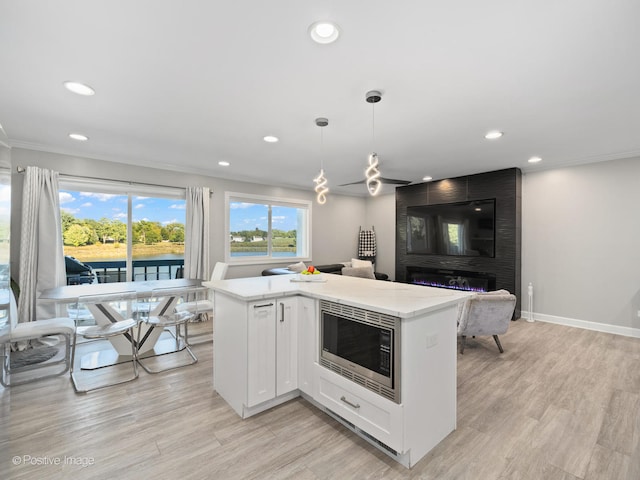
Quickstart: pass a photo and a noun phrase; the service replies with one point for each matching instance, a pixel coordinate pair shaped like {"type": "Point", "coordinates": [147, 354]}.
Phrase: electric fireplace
{"type": "Point", "coordinates": [454, 279]}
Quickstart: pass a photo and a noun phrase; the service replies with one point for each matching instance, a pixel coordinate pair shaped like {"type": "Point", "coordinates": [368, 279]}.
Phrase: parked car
{"type": "Point", "coordinates": [78, 273]}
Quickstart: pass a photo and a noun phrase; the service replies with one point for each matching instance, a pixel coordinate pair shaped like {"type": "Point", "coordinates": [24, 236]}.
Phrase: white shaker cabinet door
{"type": "Point", "coordinates": [261, 352]}
{"type": "Point", "coordinates": [286, 345]}
{"type": "Point", "coordinates": [307, 343]}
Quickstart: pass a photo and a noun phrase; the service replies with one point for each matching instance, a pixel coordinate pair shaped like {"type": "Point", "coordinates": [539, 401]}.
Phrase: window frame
{"type": "Point", "coordinates": [128, 189]}
{"type": "Point", "coordinates": [232, 197]}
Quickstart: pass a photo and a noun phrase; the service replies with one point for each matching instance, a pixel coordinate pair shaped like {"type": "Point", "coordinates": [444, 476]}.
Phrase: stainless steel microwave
{"type": "Point", "coordinates": [363, 346]}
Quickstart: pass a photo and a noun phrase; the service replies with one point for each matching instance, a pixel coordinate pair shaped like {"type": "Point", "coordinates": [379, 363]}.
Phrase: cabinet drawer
{"type": "Point", "coordinates": [377, 416]}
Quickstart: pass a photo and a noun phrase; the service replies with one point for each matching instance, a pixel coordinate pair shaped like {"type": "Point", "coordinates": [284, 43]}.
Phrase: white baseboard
{"type": "Point", "coordinates": [572, 322]}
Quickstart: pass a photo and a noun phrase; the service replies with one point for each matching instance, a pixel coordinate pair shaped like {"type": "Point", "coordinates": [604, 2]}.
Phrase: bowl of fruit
{"type": "Point", "coordinates": [310, 274]}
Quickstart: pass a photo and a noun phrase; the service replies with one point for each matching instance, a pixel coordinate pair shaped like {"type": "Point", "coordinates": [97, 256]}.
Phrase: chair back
{"type": "Point", "coordinates": [487, 313]}
{"type": "Point", "coordinates": [13, 310]}
{"type": "Point", "coordinates": [110, 307]}
{"type": "Point", "coordinates": [219, 271]}
{"type": "Point", "coordinates": [6, 314]}
{"type": "Point", "coordinates": [166, 300]}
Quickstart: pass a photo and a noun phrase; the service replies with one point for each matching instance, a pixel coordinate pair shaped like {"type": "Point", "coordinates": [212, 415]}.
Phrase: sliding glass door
{"type": "Point", "coordinates": [112, 236]}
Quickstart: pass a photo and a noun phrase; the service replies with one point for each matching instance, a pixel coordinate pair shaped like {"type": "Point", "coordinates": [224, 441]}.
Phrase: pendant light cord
{"type": "Point", "coordinates": [373, 126]}
{"type": "Point", "coordinates": [321, 148]}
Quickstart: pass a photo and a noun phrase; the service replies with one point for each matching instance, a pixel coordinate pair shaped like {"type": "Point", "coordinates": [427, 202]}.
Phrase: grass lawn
{"type": "Point", "coordinates": [119, 250]}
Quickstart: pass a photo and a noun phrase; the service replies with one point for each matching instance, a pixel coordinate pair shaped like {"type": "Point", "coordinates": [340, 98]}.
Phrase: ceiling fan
{"type": "Point", "coordinates": [390, 181]}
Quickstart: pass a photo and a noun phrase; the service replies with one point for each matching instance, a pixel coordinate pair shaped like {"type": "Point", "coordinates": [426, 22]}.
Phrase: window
{"type": "Point", "coordinates": [452, 232]}
{"type": "Point", "coordinates": [124, 232]}
{"type": "Point", "coordinates": [264, 230]}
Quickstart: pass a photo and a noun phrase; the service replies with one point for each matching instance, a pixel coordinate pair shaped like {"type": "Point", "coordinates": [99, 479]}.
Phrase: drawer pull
{"type": "Point", "coordinates": [263, 305]}
{"type": "Point", "coordinates": [354, 405]}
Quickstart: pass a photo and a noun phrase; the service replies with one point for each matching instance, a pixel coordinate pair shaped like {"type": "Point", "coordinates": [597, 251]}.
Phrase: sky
{"type": "Point", "coordinates": [244, 216]}
{"type": "Point", "coordinates": [249, 216]}
{"type": "Point", "coordinates": [90, 205]}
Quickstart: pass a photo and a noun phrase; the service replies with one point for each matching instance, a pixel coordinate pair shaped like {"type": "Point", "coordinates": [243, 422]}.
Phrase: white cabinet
{"type": "Point", "coordinates": [368, 411]}
{"type": "Point", "coordinates": [266, 352]}
{"type": "Point", "coordinates": [272, 355]}
{"type": "Point", "coordinates": [256, 352]}
{"type": "Point", "coordinates": [307, 343]}
{"type": "Point", "coordinates": [261, 352]}
{"type": "Point", "coordinates": [286, 345]}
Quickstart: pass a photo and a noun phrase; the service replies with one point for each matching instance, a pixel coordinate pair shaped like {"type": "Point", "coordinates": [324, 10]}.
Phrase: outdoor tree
{"type": "Point", "coordinates": [173, 232]}
{"type": "Point", "coordinates": [77, 235]}
{"type": "Point", "coordinates": [147, 232]}
{"type": "Point", "coordinates": [118, 230]}
{"type": "Point", "coordinates": [67, 220]}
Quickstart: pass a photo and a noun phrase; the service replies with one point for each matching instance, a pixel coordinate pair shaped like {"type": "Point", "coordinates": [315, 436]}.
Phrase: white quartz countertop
{"type": "Point", "coordinates": [398, 299]}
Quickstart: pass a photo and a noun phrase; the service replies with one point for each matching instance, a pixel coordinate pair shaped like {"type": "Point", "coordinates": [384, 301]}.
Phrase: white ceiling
{"type": "Point", "coordinates": [185, 84]}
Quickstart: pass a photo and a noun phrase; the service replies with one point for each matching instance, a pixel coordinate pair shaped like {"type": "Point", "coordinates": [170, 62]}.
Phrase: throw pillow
{"type": "Point", "coordinates": [362, 272]}
{"type": "Point", "coordinates": [297, 267]}
{"type": "Point", "coordinates": [355, 263]}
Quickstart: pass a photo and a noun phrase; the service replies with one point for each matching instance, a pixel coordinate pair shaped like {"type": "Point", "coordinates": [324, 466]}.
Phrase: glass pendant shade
{"type": "Point", "coordinates": [321, 188]}
{"type": "Point", "coordinates": [373, 175]}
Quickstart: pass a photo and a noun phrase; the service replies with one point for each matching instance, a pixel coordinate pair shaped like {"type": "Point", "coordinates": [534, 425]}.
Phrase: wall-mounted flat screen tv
{"type": "Point", "coordinates": [465, 229]}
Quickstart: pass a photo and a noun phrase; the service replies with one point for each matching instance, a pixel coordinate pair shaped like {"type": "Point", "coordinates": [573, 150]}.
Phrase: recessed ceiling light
{"type": "Point", "coordinates": [493, 135]}
{"type": "Point", "coordinates": [324, 32]}
{"type": "Point", "coordinates": [535, 159]}
{"type": "Point", "coordinates": [78, 136]}
{"type": "Point", "coordinates": [271, 139]}
{"type": "Point", "coordinates": [222, 163]}
{"type": "Point", "coordinates": [427, 178]}
{"type": "Point", "coordinates": [79, 88]}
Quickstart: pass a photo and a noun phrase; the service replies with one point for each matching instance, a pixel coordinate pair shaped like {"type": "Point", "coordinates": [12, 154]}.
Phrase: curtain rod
{"type": "Point", "coordinates": [21, 169]}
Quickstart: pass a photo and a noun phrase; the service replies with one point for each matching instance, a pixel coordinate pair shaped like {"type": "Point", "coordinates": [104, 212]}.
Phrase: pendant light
{"type": "Point", "coordinates": [372, 173]}
{"type": "Point", "coordinates": [320, 181]}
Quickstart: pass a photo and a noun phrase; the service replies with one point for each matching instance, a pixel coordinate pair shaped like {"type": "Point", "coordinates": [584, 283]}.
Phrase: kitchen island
{"type": "Point", "coordinates": [268, 349]}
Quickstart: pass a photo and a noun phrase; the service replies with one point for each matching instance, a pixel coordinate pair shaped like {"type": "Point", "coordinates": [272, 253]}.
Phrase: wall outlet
{"type": "Point", "coordinates": [638, 313]}
{"type": "Point", "coordinates": [432, 340]}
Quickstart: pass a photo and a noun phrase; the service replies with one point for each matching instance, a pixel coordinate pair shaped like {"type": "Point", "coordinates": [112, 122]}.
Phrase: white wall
{"type": "Point", "coordinates": [334, 225]}
{"type": "Point", "coordinates": [581, 244]}
{"type": "Point", "coordinates": [580, 231]}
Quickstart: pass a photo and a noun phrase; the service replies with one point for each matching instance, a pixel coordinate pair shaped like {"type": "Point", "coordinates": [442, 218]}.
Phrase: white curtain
{"type": "Point", "coordinates": [41, 254]}
{"type": "Point", "coordinates": [196, 235]}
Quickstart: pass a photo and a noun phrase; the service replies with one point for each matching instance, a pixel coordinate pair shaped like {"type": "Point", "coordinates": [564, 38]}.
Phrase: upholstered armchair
{"type": "Point", "coordinates": [486, 314]}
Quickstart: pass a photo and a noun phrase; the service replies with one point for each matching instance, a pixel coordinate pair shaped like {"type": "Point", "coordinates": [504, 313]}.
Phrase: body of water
{"type": "Point", "coordinates": [259, 254]}
{"type": "Point", "coordinates": [164, 256]}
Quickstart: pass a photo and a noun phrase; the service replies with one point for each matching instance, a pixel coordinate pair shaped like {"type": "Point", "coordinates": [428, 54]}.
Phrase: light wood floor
{"type": "Point", "coordinates": [560, 403]}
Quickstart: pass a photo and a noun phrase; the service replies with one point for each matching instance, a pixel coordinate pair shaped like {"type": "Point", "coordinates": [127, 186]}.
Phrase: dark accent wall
{"type": "Point", "coordinates": [503, 185]}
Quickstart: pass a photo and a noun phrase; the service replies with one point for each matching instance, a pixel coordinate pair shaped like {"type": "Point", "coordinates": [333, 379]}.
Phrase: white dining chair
{"type": "Point", "coordinates": [166, 316]}
{"type": "Point", "coordinates": [31, 331]}
{"type": "Point", "coordinates": [203, 309]}
{"type": "Point", "coordinates": [110, 325]}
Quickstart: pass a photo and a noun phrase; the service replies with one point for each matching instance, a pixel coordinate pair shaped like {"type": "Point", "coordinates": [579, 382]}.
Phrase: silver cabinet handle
{"type": "Point", "coordinates": [282, 312]}
{"type": "Point", "coordinates": [354, 405]}
{"type": "Point", "coordinates": [263, 305]}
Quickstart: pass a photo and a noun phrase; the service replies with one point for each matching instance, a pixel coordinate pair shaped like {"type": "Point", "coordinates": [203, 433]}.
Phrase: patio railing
{"type": "Point", "coordinates": [116, 271]}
